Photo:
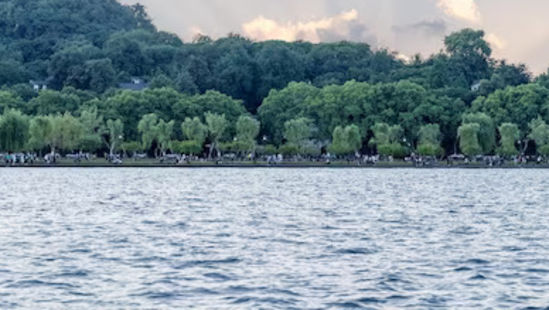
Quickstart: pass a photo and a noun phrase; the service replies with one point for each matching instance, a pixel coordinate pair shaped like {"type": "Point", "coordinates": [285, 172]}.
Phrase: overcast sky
{"type": "Point", "coordinates": [517, 29]}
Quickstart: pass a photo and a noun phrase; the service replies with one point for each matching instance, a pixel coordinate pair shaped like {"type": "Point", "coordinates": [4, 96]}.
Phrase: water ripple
{"type": "Point", "coordinates": [274, 239]}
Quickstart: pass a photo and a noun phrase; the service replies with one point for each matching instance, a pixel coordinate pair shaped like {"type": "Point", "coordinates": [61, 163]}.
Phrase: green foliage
{"type": "Point", "coordinates": [544, 150]}
{"type": "Point", "coordinates": [157, 130]}
{"type": "Point", "coordinates": [429, 140]}
{"type": "Point", "coordinates": [346, 140]}
{"type": "Point", "coordinates": [67, 132]}
{"type": "Point", "coordinates": [216, 124]}
{"type": "Point", "coordinates": [469, 139]}
{"type": "Point", "coordinates": [393, 149]}
{"type": "Point", "coordinates": [148, 127]}
{"type": "Point", "coordinates": [84, 50]}
{"type": "Point", "coordinates": [40, 130]}
{"type": "Point", "coordinates": [298, 131]}
{"type": "Point", "coordinates": [487, 130]}
{"type": "Point", "coordinates": [247, 129]}
{"type": "Point", "coordinates": [92, 129]}
{"type": "Point", "coordinates": [388, 140]}
{"type": "Point", "coordinates": [284, 105]}
{"type": "Point", "coordinates": [289, 149]}
{"type": "Point", "coordinates": [131, 147]}
{"type": "Point", "coordinates": [429, 149]}
{"type": "Point", "coordinates": [268, 149]}
{"type": "Point", "coordinates": [194, 130]}
{"type": "Point", "coordinates": [518, 105]}
{"type": "Point", "coordinates": [539, 132]}
{"type": "Point", "coordinates": [114, 134]}
{"type": "Point", "coordinates": [187, 147]}
{"type": "Point", "coordinates": [509, 136]}
{"type": "Point", "coordinates": [14, 129]}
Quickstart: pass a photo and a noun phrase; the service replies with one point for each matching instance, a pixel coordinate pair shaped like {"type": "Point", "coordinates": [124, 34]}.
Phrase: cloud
{"type": "Point", "coordinates": [462, 9]}
{"type": "Point", "coordinates": [495, 41]}
{"type": "Point", "coordinates": [429, 28]}
{"type": "Point", "coordinates": [338, 27]}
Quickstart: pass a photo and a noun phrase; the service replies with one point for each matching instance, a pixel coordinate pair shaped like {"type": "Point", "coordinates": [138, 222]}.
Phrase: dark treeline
{"type": "Point", "coordinates": [339, 96]}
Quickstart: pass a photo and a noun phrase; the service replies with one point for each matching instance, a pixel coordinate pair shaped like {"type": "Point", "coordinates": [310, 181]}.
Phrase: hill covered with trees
{"type": "Point", "coordinates": [341, 97]}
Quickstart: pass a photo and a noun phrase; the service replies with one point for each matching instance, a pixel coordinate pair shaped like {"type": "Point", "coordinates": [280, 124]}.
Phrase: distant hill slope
{"type": "Point", "coordinates": [96, 45]}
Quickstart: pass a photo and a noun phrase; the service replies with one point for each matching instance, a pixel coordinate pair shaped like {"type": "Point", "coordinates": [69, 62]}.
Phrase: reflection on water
{"type": "Point", "coordinates": [307, 239]}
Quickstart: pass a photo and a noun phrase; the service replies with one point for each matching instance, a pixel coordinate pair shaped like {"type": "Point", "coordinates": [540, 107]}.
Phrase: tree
{"type": "Point", "coordinates": [164, 138]}
{"type": "Point", "coordinates": [388, 140]}
{"type": "Point", "coordinates": [217, 124]}
{"type": "Point", "coordinates": [58, 132]}
{"type": "Point", "coordinates": [487, 130]}
{"type": "Point", "coordinates": [284, 105]}
{"type": "Point", "coordinates": [247, 130]}
{"type": "Point", "coordinates": [429, 140]}
{"type": "Point", "coordinates": [509, 135]}
{"type": "Point", "coordinates": [468, 135]}
{"type": "Point", "coordinates": [189, 147]}
{"type": "Point", "coordinates": [539, 132]}
{"type": "Point", "coordinates": [157, 130]}
{"type": "Point", "coordinates": [92, 129]}
{"type": "Point", "coordinates": [40, 131]}
{"type": "Point", "coordinates": [518, 105]}
{"type": "Point", "coordinates": [298, 131]}
{"type": "Point", "coordinates": [194, 130]}
{"type": "Point", "coordinates": [114, 135]}
{"type": "Point", "coordinates": [470, 54]}
{"type": "Point", "coordinates": [14, 129]}
{"type": "Point", "coordinates": [346, 140]}
{"type": "Point", "coordinates": [148, 127]}
{"type": "Point", "coordinates": [67, 132]}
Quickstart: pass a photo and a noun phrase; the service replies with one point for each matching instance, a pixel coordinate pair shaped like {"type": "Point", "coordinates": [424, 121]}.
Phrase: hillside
{"type": "Point", "coordinates": [85, 51]}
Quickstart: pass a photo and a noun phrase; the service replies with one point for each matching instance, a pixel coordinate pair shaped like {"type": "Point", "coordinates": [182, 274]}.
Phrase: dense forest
{"type": "Point", "coordinates": [69, 70]}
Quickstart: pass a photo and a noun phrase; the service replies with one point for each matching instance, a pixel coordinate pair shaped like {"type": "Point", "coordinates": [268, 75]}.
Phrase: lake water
{"type": "Point", "coordinates": [273, 239]}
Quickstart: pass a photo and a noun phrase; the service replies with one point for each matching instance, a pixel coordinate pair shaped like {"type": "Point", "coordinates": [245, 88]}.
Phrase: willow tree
{"type": "Point", "coordinates": [247, 130]}
{"type": "Point", "coordinates": [217, 124]}
{"type": "Point", "coordinates": [194, 130]}
{"type": "Point", "coordinates": [66, 132]}
{"type": "Point", "coordinates": [388, 139]}
{"type": "Point", "coordinates": [164, 131]}
{"type": "Point", "coordinates": [429, 138]}
{"type": "Point", "coordinates": [487, 130]}
{"type": "Point", "coordinates": [510, 134]}
{"type": "Point", "coordinates": [539, 132]}
{"type": "Point", "coordinates": [114, 135]}
{"type": "Point", "coordinates": [153, 130]}
{"type": "Point", "coordinates": [92, 129]}
{"type": "Point", "coordinates": [346, 140]}
{"type": "Point", "coordinates": [58, 132]}
{"type": "Point", "coordinates": [194, 133]}
{"type": "Point", "coordinates": [40, 131]}
{"type": "Point", "coordinates": [14, 129]}
{"type": "Point", "coordinates": [468, 139]}
{"type": "Point", "coordinates": [147, 127]}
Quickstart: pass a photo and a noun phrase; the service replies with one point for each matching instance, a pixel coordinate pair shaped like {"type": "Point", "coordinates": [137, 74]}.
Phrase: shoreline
{"type": "Point", "coordinates": [398, 165]}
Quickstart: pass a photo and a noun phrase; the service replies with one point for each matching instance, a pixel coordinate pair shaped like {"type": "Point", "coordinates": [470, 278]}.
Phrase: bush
{"type": "Point", "coordinates": [187, 147]}
{"type": "Point", "coordinates": [132, 147]}
{"type": "Point", "coordinates": [289, 149]}
{"type": "Point", "coordinates": [544, 150]}
{"type": "Point", "coordinates": [268, 149]}
{"type": "Point", "coordinates": [429, 149]}
{"type": "Point", "coordinates": [396, 150]}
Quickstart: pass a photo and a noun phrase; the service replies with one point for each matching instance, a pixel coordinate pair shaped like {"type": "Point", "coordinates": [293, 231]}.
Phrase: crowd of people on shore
{"type": "Point", "coordinates": [30, 159]}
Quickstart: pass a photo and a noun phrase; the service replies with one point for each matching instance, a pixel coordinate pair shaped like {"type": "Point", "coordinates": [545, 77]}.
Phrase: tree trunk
{"type": "Point", "coordinates": [53, 159]}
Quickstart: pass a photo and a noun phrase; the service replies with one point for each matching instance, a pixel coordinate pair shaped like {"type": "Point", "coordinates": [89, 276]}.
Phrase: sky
{"type": "Point", "coordinates": [518, 30]}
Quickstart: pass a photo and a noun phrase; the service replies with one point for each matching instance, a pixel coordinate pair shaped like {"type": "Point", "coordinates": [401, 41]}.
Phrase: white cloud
{"type": "Point", "coordinates": [262, 28]}
{"type": "Point", "coordinates": [462, 9]}
{"type": "Point", "coordinates": [495, 41]}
